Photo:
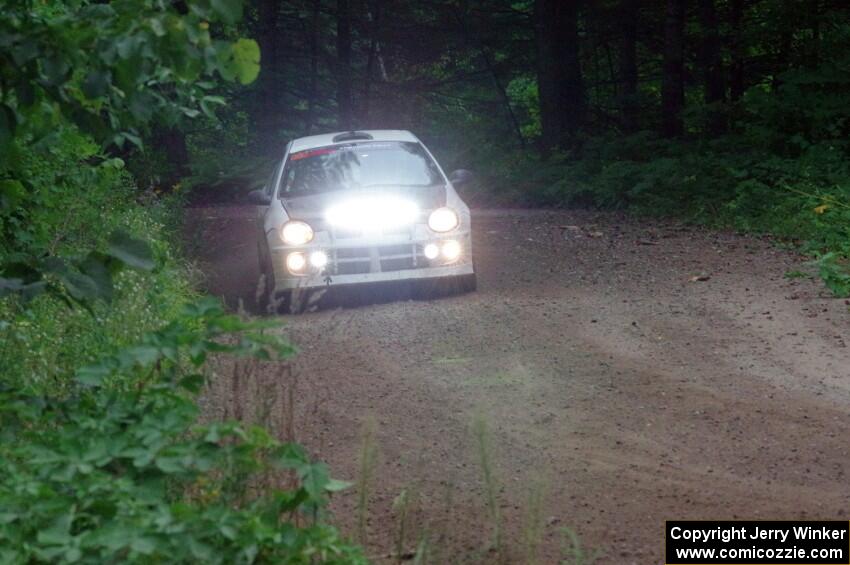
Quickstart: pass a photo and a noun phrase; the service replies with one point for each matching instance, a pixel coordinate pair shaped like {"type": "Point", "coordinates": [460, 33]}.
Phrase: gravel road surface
{"type": "Point", "coordinates": [627, 372]}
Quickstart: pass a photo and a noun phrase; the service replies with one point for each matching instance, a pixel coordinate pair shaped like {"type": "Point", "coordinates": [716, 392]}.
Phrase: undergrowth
{"type": "Point", "coordinates": [101, 365]}
{"type": "Point", "coordinates": [801, 195]}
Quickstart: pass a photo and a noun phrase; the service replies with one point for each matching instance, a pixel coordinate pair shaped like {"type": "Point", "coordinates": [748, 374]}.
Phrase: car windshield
{"type": "Point", "coordinates": [359, 166]}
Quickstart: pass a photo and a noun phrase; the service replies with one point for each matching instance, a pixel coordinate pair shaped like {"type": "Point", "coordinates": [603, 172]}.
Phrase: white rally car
{"type": "Point", "coordinates": [361, 207]}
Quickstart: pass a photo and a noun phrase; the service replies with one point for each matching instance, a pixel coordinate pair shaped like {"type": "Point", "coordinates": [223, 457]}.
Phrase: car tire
{"type": "Point", "coordinates": [468, 283]}
{"type": "Point", "coordinates": [265, 292]}
{"type": "Point", "coordinates": [280, 302]}
{"type": "Point", "coordinates": [296, 301]}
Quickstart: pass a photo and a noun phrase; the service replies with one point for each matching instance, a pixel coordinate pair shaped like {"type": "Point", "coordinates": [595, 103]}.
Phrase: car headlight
{"type": "Point", "coordinates": [443, 219]}
{"type": "Point", "coordinates": [296, 233]}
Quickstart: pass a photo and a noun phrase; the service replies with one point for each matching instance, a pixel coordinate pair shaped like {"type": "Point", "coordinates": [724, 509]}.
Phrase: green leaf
{"type": "Point", "coordinates": [127, 46]}
{"type": "Point", "coordinates": [141, 106]}
{"type": "Point", "coordinates": [27, 290]}
{"type": "Point", "coordinates": [132, 252]}
{"type": "Point", "coordinates": [25, 51]}
{"type": "Point", "coordinates": [96, 83]}
{"type": "Point", "coordinates": [243, 61]}
{"type": "Point", "coordinates": [292, 456]}
{"type": "Point", "coordinates": [208, 101]}
{"type": "Point", "coordinates": [11, 192]}
{"type": "Point", "coordinates": [59, 532]}
{"type": "Point", "coordinates": [79, 286]}
{"type": "Point", "coordinates": [96, 267]}
{"type": "Point", "coordinates": [315, 478]}
{"type": "Point", "coordinates": [230, 11]}
{"type": "Point", "coordinates": [143, 545]}
{"type": "Point", "coordinates": [8, 125]}
{"type": "Point", "coordinates": [55, 70]}
{"type": "Point", "coordinates": [192, 383]}
{"type": "Point", "coordinates": [336, 485]}
{"type": "Point", "coordinates": [111, 536]}
{"type": "Point", "coordinates": [94, 374]}
{"type": "Point", "coordinates": [143, 355]}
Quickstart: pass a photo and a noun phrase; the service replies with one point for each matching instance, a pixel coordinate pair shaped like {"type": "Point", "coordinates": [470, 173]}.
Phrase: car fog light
{"type": "Point", "coordinates": [318, 259]}
{"type": "Point", "coordinates": [451, 250]}
{"type": "Point", "coordinates": [296, 262]}
{"type": "Point", "coordinates": [431, 251]}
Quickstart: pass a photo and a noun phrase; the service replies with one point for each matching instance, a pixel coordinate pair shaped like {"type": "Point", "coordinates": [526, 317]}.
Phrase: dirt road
{"type": "Point", "coordinates": [612, 381]}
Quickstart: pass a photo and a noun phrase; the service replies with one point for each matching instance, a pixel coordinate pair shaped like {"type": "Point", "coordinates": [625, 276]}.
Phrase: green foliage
{"type": "Point", "coordinates": [834, 269]}
{"type": "Point", "coordinates": [784, 170]}
{"type": "Point", "coordinates": [116, 469]}
{"type": "Point", "coordinates": [729, 182]}
{"type": "Point", "coordinates": [79, 209]}
{"type": "Point", "coordinates": [112, 68]}
{"type": "Point", "coordinates": [241, 61]}
{"type": "Point", "coordinates": [106, 70]}
{"type": "Point", "coordinates": [103, 459]}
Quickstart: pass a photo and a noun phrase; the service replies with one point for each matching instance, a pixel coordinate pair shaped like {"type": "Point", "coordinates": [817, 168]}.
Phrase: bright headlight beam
{"type": "Point", "coordinates": [373, 213]}
{"type": "Point", "coordinates": [451, 250]}
{"type": "Point", "coordinates": [296, 262]}
{"type": "Point", "coordinates": [443, 220]}
{"type": "Point", "coordinates": [296, 233]}
{"type": "Point", "coordinates": [431, 251]}
{"type": "Point", "coordinates": [319, 259]}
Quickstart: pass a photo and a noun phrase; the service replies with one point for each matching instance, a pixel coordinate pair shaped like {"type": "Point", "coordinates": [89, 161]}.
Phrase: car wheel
{"type": "Point", "coordinates": [265, 283]}
{"type": "Point", "coordinates": [467, 283]}
{"type": "Point", "coordinates": [295, 301]}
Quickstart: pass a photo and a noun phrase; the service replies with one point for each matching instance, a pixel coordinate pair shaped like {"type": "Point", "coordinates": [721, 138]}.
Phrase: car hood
{"type": "Point", "coordinates": [312, 207]}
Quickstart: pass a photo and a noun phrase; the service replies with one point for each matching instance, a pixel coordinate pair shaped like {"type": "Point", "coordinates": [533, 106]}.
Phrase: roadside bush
{"type": "Point", "coordinates": [77, 208]}
{"type": "Point", "coordinates": [801, 194]}
{"type": "Point", "coordinates": [115, 469]}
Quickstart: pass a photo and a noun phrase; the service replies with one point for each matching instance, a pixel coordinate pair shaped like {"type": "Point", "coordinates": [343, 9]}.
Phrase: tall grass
{"type": "Point", "coordinates": [573, 552]}
{"type": "Point", "coordinates": [368, 458]}
{"type": "Point", "coordinates": [534, 523]}
{"type": "Point", "coordinates": [491, 487]}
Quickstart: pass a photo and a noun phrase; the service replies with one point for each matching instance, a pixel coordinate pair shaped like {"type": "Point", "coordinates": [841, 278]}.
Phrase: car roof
{"type": "Point", "coordinates": [327, 139]}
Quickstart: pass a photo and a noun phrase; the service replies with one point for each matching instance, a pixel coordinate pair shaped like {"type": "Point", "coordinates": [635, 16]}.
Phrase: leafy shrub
{"type": "Point", "coordinates": [727, 182]}
{"type": "Point", "coordinates": [77, 209]}
{"type": "Point", "coordinates": [115, 469]}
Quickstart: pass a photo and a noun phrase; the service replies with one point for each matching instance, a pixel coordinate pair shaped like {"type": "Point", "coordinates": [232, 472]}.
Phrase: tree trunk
{"type": "Point", "coordinates": [500, 89]}
{"type": "Point", "coordinates": [712, 63]}
{"type": "Point", "coordinates": [172, 142]}
{"type": "Point", "coordinates": [547, 76]}
{"type": "Point", "coordinates": [269, 116]}
{"type": "Point", "coordinates": [672, 82]}
{"type": "Point", "coordinates": [628, 64]}
{"type": "Point", "coordinates": [559, 79]}
{"type": "Point", "coordinates": [736, 71]}
{"type": "Point", "coordinates": [343, 70]}
{"type": "Point", "coordinates": [786, 36]}
{"type": "Point", "coordinates": [487, 58]}
{"type": "Point", "coordinates": [814, 56]}
{"type": "Point", "coordinates": [373, 15]}
{"type": "Point", "coordinates": [314, 67]}
{"type": "Point", "coordinates": [572, 96]}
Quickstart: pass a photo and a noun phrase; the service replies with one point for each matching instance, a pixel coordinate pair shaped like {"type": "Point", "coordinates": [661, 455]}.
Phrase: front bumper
{"type": "Point", "coordinates": [358, 260]}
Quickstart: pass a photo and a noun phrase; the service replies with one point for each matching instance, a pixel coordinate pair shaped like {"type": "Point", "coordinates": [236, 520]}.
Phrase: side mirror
{"type": "Point", "coordinates": [461, 177]}
{"type": "Point", "coordinates": [259, 197]}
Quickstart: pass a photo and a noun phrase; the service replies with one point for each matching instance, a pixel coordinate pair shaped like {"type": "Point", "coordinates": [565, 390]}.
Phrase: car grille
{"type": "Point", "coordinates": [377, 259]}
